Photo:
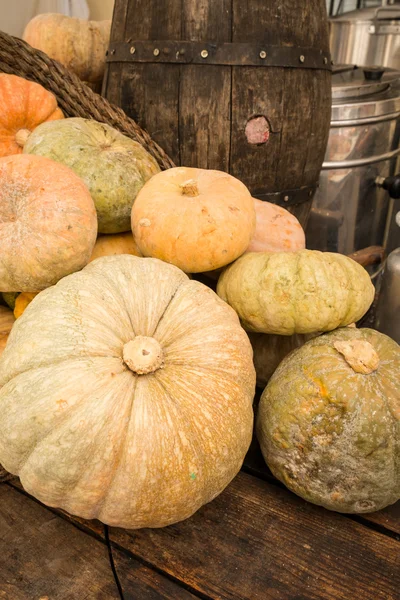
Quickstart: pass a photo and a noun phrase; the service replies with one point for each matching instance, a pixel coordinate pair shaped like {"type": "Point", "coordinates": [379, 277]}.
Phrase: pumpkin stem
{"type": "Point", "coordinates": [360, 355]}
{"type": "Point", "coordinates": [143, 355]}
{"type": "Point", "coordinates": [21, 137]}
{"type": "Point", "coordinates": [190, 188]}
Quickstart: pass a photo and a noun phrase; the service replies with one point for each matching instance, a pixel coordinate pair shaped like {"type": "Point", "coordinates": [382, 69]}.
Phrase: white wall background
{"type": "Point", "coordinates": [15, 14]}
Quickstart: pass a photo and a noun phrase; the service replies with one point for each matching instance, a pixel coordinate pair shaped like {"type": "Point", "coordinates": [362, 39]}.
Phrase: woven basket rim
{"type": "Point", "coordinates": [74, 97]}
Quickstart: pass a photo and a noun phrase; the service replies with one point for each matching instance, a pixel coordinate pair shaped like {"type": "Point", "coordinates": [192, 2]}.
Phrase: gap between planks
{"type": "Point", "coordinates": [95, 529]}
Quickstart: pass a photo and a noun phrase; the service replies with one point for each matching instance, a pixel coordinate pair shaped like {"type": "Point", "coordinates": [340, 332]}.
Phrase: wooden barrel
{"type": "Point", "coordinates": [230, 85]}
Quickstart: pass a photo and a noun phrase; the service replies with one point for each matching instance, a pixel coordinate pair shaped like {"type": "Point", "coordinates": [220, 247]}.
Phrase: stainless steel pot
{"type": "Point", "coordinates": [367, 37]}
{"type": "Point", "coordinates": [352, 209]}
{"type": "Point", "coordinates": [387, 318]}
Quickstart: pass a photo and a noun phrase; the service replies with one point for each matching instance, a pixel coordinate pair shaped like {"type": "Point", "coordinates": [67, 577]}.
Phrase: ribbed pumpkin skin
{"type": "Point", "coordinates": [24, 106]}
{"type": "Point", "coordinates": [113, 166]}
{"type": "Point", "coordinates": [6, 322]}
{"type": "Point", "coordinates": [48, 223]}
{"type": "Point", "coordinates": [332, 435]}
{"type": "Point", "coordinates": [296, 292]}
{"type": "Point", "coordinates": [78, 44]}
{"type": "Point", "coordinates": [87, 434]}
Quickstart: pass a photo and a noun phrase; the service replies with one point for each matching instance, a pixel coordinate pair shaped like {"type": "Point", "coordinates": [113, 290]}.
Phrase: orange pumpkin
{"type": "Point", "coordinates": [117, 243]}
{"type": "Point", "coordinates": [22, 302]}
{"type": "Point", "coordinates": [196, 219]}
{"type": "Point", "coordinates": [48, 223]}
{"type": "Point", "coordinates": [277, 230]}
{"type": "Point", "coordinates": [24, 106]}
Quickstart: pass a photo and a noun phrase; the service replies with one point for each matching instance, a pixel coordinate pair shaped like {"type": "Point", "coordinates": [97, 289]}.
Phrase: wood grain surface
{"type": "Point", "coordinates": [44, 557]}
{"type": "Point", "coordinates": [198, 113]}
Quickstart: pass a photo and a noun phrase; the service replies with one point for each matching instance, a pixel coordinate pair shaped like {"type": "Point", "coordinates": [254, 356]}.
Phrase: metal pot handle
{"type": "Point", "coordinates": [373, 255]}
{"type": "Point", "coordinates": [391, 184]}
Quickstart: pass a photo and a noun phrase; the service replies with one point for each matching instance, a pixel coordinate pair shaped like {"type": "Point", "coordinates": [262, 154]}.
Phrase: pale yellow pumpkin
{"type": "Point", "coordinates": [196, 219]}
{"type": "Point", "coordinates": [277, 230]}
{"type": "Point", "coordinates": [296, 292]}
{"type": "Point", "coordinates": [117, 243]}
{"type": "Point", "coordinates": [78, 44]}
{"type": "Point", "coordinates": [126, 394]}
{"type": "Point", "coordinates": [329, 421]}
{"type": "Point", "coordinates": [6, 322]}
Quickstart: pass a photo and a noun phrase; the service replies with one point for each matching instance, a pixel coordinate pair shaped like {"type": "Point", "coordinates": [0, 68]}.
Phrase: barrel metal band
{"type": "Point", "coordinates": [288, 197]}
{"type": "Point", "coordinates": [224, 54]}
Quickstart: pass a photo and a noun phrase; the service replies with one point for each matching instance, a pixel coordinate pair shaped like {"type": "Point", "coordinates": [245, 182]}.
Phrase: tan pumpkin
{"type": "Point", "coordinates": [277, 230]}
{"type": "Point", "coordinates": [24, 106]}
{"type": "Point", "coordinates": [196, 219]}
{"type": "Point", "coordinates": [296, 292]}
{"type": "Point", "coordinates": [48, 223]}
{"type": "Point", "coordinates": [78, 44]}
{"type": "Point", "coordinates": [329, 421]}
{"type": "Point", "coordinates": [126, 394]}
{"type": "Point", "coordinates": [6, 322]}
{"type": "Point", "coordinates": [111, 245]}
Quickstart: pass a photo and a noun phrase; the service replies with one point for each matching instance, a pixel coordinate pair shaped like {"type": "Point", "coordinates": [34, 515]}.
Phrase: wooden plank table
{"type": "Point", "coordinates": [255, 541]}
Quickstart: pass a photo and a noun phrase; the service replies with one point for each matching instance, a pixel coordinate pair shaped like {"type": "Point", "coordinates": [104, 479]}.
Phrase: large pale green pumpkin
{"type": "Point", "coordinates": [296, 292]}
{"type": "Point", "coordinates": [329, 421]}
{"type": "Point", "coordinates": [113, 166]}
{"type": "Point", "coordinates": [126, 394]}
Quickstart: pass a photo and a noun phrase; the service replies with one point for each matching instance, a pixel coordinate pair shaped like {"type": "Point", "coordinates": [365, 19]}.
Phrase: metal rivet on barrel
{"type": "Point", "coordinates": [263, 54]}
{"type": "Point", "coordinates": [132, 50]}
{"type": "Point", "coordinates": [156, 52]}
{"type": "Point", "coordinates": [325, 60]}
{"type": "Point", "coordinates": [302, 58]}
{"type": "Point", "coordinates": [204, 54]}
{"type": "Point", "coordinates": [113, 51]}
{"type": "Point", "coordinates": [286, 198]}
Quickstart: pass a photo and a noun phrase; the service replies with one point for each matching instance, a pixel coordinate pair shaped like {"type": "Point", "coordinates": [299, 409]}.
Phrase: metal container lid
{"type": "Point", "coordinates": [366, 15]}
{"type": "Point", "coordinates": [364, 92]}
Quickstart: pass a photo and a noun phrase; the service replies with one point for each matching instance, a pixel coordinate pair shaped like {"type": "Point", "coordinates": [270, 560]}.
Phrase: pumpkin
{"type": "Point", "coordinates": [22, 302]}
{"type": "Point", "coordinates": [6, 323]}
{"type": "Point", "coordinates": [196, 219]}
{"type": "Point", "coordinates": [24, 105]}
{"type": "Point", "coordinates": [270, 350]}
{"type": "Point", "coordinates": [78, 44]}
{"type": "Point", "coordinates": [277, 230]}
{"type": "Point", "coordinates": [113, 166]}
{"type": "Point", "coordinates": [126, 394]}
{"type": "Point", "coordinates": [329, 421]}
{"type": "Point", "coordinates": [48, 223]}
{"type": "Point", "coordinates": [110, 245]}
{"type": "Point", "coordinates": [296, 292]}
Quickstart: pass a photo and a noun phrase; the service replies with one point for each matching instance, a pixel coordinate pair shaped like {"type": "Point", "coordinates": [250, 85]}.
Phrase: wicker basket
{"type": "Point", "coordinates": [74, 98]}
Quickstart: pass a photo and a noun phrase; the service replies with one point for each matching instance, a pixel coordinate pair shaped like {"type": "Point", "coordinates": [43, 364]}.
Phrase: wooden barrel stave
{"type": "Point", "coordinates": [201, 114]}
